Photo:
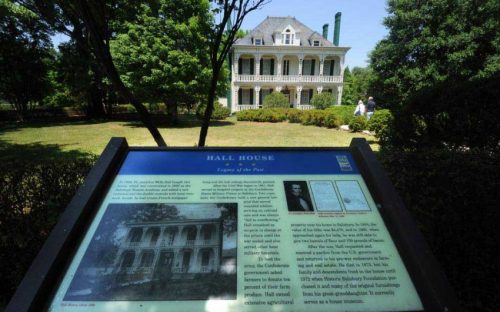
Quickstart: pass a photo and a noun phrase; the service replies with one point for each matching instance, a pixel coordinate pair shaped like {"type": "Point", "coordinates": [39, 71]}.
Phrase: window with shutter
{"type": "Point", "coordinates": [272, 66]}
{"type": "Point", "coordinates": [252, 66]}
{"type": "Point", "coordinates": [261, 66]}
{"type": "Point", "coordinates": [313, 64]}
{"type": "Point", "coordinates": [240, 66]}
{"type": "Point", "coordinates": [332, 65]}
{"type": "Point", "coordinates": [240, 96]}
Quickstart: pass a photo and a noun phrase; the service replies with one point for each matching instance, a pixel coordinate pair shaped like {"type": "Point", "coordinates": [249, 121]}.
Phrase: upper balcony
{"type": "Point", "coordinates": [288, 78]}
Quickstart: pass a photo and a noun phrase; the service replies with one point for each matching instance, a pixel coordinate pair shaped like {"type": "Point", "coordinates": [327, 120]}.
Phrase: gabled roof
{"type": "Point", "coordinates": [275, 25]}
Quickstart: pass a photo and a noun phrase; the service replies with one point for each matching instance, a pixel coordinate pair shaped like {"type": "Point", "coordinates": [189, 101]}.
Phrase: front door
{"type": "Point", "coordinates": [286, 93]}
{"type": "Point", "coordinates": [163, 268]}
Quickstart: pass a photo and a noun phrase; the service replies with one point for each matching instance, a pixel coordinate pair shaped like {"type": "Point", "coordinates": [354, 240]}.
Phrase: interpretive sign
{"type": "Point", "coordinates": [238, 230]}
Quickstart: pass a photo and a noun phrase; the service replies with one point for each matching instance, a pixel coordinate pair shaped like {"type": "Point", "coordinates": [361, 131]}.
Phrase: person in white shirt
{"type": "Point", "coordinates": [360, 109]}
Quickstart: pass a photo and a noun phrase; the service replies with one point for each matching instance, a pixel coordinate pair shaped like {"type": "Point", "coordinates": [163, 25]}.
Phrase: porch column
{"type": "Point", "coordinates": [342, 66]}
{"type": "Point", "coordinates": [301, 59]}
{"type": "Point", "coordinates": [235, 66]}
{"type": "Point", "coordinates": [236, 99]}
{"type": "Point", "coordinates": [257, 99]}
{"type": "Point", "coordinates": [299, 95]}
{"type": "Point", "coordinates": [339, 94]}
{"type": "Point", "coordinates": [321, 65]}
{"type": "Point", "coordinates": [279, 59]}
{"type": "Point", "coordinates": [257, 66]}
{"type": "Point", "coordinates": [319, 89]}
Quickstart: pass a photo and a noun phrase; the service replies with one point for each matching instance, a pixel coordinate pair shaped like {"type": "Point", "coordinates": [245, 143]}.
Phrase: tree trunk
{"type": "Point", "coordinates": [210, 108]}
{"type": "Point", "coordinates": [172, 114]}
{"type": "Point", "coordinates": [95, 108]}
{"type": "Point", "coordinates": [101, 50]}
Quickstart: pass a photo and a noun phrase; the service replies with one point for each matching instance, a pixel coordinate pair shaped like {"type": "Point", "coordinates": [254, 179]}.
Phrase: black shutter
{"type": "Point", "coordinates": [261, 66]}
{"type": "Point", "coordinates": [240, 96]}
{"type": "Point", "coordinates": [272, 66]}
{"type": "Point", "coordinates": [332, 64]}
{"type": "Point", "coordinates": [240, 66]}
{"type": "Point", "coordinates": [310, 95]}
{"type": "Point", "coordinates": [283, 72]}
{"type": "Point", "coordinates": [251, 97]}
{"type": "Point", "coordinates": [313, 63]}
{"type": "Point", "coordinates": [260, 97]}
{"type": "Point", "coordinates": [252, 66]}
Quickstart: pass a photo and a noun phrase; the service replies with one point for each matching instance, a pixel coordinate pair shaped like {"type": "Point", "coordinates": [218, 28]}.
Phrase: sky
{"type": "Point", "coordinates": [360, 28]}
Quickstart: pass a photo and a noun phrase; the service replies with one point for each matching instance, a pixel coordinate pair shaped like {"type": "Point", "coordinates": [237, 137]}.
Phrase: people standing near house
{"type": "Point", "coordinates": [360, 109]}
{"type": "Point", "coordinates": [370, 107]}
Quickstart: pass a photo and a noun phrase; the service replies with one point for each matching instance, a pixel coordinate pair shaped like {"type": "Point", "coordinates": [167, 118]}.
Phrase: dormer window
{"type": "Point", "coordinates": [258, 41]}
{"type": "Point", "coordinates": [288, 36]}
{"type": "Point", "coordinates": [316, 43]}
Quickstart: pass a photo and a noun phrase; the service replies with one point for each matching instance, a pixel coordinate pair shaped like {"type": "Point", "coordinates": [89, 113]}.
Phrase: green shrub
{"type": "Point", "coordinates": [451, 113]}
{"type": "Point", "coordinates": [276, 100]}
{"type": "Point", "coordinates": [380, 121]}
{"type": "Point", "coordinates": [32, 197]}
{"type": "Point", "coordinates": [358, 123]}
{"type": "Point", "coordinates": [453, 196]}
{"type": "Point", "coordinates": [344, 112]}
{"type": "Point", "coordinates": [293, 115]}
{"type": "Point", "coordinates": [262, 115]}
{"type": "Point", "coordinates": [332, 120]}
{"type": "Point", "coordinates": [219, 113]}
{"type": "Point", "coordinates": [313, 117]}
{"type": "Point", "coordinates": [323, 100]}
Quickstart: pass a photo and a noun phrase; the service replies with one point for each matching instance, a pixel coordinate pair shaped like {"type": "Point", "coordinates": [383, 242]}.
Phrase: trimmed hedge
{"type": "Point", "coordinates": [358, 123]}
{"type": "Point", "coordinates": [380, 121]}
{"type": "Point", "coordinates": [320, 118]}
{"type": "Point", "coordinates": [32, 196]}
{"type": "Point", "coordinates": [263, 115]}
{"type": "Point", "coordinates": [453, 196]}
{"type": "Point", "coordinates": [345, 112]}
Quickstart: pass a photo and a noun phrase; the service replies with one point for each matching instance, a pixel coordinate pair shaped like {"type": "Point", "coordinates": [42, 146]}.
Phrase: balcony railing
{"type": "Point", "coordinates": [245, 107]}
{"type": "Point", "coordinates": [288, 78]}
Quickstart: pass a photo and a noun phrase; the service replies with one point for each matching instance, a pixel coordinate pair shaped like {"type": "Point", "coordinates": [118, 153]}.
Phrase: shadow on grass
{"type": "Point", "coordinates": [11, 126]}
{"type": "Point", "coordinates": [37, 152]}
{"type": "Point", "coordinates": [185, 121]}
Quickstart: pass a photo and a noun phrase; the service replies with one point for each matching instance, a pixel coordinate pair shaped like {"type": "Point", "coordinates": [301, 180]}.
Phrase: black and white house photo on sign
{"type": "Point", "coordinates": [160, 252]}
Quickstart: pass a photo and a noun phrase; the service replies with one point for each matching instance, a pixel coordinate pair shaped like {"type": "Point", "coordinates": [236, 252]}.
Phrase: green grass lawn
{"type": "Point", "coordinates": [55, 140]}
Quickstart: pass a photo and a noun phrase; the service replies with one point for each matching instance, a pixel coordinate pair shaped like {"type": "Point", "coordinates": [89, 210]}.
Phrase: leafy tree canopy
{"type": "Point", "coordinates": [433, 41]}
{"type": "Point", "coordinates": [25, 55]}
{"type": "Point", "coordinates": [356, 85]}
{"type": "Point", "coordinates": [163, 55]}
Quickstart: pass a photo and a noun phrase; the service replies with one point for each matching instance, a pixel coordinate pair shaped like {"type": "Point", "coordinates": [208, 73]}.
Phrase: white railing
{"type": "Point", "coordinates": [288, 78]}
{"type": "Point", "coordinates": [305, 107]}
{"type": "Point", "coordinates": [245, 78]}
{"type": "Point", "coordinates": [245, 107]}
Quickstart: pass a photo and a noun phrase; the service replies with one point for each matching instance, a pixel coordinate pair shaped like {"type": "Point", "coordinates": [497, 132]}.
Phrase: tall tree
{"type": "Point", "coordinates": [163, 54]}
{"type": "Point", "coordinates": [356, 85]}
{"type": "Point", "coordinates": [91, 23]}
{"type": "Point", "coordinates": [433, 41]}
{"type": "Point", "coordinates": [25, 54]}
{"type": "Point", "coordinates": [220, 42]}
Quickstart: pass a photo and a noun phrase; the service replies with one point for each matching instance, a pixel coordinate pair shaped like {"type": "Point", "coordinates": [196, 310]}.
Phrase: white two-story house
{"type": "Point", "coordinates": [283, 55]}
